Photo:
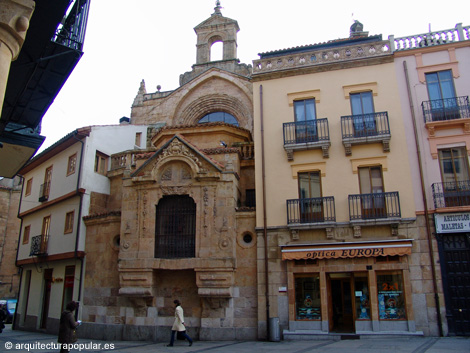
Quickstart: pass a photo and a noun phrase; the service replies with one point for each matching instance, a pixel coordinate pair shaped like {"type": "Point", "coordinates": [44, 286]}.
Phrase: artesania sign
{"type": "Point", "coordinates": [452, 222]}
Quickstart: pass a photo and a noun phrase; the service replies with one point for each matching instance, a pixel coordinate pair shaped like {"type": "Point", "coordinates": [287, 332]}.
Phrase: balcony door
{"type": "Point", "coordinates": [46, 226]}
{"type": "Point", "coordinates": [455, 176]}
{"type": "Point", "coordinates": [372, 192]}
{"type": "Point", "coordinates": [441, 91]}
{"type": "Point", "coordinates": [305, 121]}
{"type": "Point", "coordinates": [311, 204]}
{"type": "Point", "coordinates": [362, 108]}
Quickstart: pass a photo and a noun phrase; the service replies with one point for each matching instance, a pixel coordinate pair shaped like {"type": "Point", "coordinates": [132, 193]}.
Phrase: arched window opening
{"type": "Point", "coordinates": [219, 117]}
{"type": "Point", "coordinates": [217, 51]}
{"type": "Point", "coordinates": [175, 229]}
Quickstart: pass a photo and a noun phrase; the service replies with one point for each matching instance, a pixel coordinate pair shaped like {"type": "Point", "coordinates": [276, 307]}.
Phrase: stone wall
{"type": "Point", "coordinates": [9, 232]}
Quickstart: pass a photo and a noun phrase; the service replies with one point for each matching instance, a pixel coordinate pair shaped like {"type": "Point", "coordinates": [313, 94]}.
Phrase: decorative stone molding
{"type": "Point", "coordinates": [214, 283]}
{"type": "Point", "coordinates": [136, 283]}
{"type": "Point", "coordinates": [177, 149]}
{"type": "Point", "coordinates": [290, 154]}
{"type": "Point", "coordinates": [330, 233]}
{"type": "Point", "coordinates": [294, 234]}
{"type": "Point", "coordinates": [357, 231]}
{"type": "Point", "coordinates": [176, 190]}
{"type": "Point", "coordinates": [394, 228]}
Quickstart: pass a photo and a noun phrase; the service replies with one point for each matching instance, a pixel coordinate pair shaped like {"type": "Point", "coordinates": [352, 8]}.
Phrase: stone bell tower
{"type": "Point", "coordinates": [216, 28]}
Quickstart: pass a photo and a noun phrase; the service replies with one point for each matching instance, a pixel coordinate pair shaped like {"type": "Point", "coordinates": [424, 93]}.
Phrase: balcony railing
{"type": "Point", "coordinates": [459, 33]}
{"type": "Point", "coordinates": [44, 192]}
{"type": "Point", "coordinates": [71, 31]}
{"type": "Point", "coordinates": [374, 206]}
{"type": "Point", "coordinates": [446, 109]}
{"type": "Point", "coordinates": [306, 131]}
{"type": "Point", "coordinates": [39, 245]}
{"type": "Point", "coordinates": [360, 126]}
{"type": "Point", "coordinates": [451, 194]}
{"type": "Point", "coordinates": [312, 210]}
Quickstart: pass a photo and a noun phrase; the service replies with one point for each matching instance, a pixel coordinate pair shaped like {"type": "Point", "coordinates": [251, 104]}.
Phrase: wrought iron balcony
{"type": "Point", "coordinates": [446, 109]}
{"type": "Point", "coordinates": [374, 206]}
{"type": "Point", "coordinates": [39, 245]}
{"type": "Point", "coordinates": [44, 192]}
{"type": "Point", "coordinates": [365, 128]}
{"type": "Point", "coordinates": [312, 210]}
{"type": "Point", "coordinates": [451, 194]}
{"type": "Point", "coordinates": [305, 135]}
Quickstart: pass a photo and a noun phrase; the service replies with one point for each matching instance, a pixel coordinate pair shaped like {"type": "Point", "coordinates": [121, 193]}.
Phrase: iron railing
{"type": "Point", "coordinates": [365, 125]}
{"type": "Point", "coordinates": [39, 245]}
{"type": "Point", "coordinates": [374, 206]}
{"type": "Point", "coordinates": [311, 210]}
{"type": "Point", "coordinates": [306, 131]}
{"type": "Point", "coordinates": [446, 109]}
{"type": "Point", "coordinates": [451, 194]}
{"type": "Point", "coordinates": [44, 192]}
{"type": "Point", "coordinates": [71, 32]}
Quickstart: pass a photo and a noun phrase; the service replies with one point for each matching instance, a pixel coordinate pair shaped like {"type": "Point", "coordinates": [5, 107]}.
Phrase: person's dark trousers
{"type": "Point", "coordinates": [185, 335]}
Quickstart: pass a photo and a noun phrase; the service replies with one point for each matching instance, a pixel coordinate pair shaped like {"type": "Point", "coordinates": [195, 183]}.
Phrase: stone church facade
{"type": "Point", "coordinates": [179, 222]}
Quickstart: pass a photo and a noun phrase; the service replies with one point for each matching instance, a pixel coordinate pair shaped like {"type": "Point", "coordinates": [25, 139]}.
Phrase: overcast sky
{"type": "Point", "coordinates": [127, 41]}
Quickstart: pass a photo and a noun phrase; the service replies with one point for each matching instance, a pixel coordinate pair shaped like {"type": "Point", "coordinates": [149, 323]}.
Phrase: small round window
{"type": "Point", "coordinates": [219, 117]}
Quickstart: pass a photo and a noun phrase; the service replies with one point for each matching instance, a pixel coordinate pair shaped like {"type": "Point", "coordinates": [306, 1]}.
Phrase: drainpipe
{"type": "Point", "coordinates": [14, 323]}
{"type": "Point", "coordinates": [265, 230]}
{"type": "Point", "coordinates": [423, 193]}
{"type": "Point", "coordinates": [79, 222]}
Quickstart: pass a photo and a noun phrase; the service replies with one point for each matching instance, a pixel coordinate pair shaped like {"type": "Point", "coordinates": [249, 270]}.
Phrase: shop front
{"type": "Point", "coordinates": [349, 288]}
{"type": "Point", "coordinates": [453, 238]}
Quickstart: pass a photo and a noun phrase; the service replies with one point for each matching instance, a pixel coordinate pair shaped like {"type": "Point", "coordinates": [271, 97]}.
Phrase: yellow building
{"type": "Point", "coordinates": [334, 194]}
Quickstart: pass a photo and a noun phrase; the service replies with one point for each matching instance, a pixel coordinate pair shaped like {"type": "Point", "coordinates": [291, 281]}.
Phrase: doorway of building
{"type": "Point", "coordinates": [341, 303]}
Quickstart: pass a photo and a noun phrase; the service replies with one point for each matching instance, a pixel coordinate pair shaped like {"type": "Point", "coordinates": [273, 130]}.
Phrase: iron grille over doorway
{"type": "Point", "coordinates": [175, 230]}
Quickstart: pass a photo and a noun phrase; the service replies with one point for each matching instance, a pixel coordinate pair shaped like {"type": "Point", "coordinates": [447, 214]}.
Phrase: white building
{"type": "Point", "coordinates": [57, 192]}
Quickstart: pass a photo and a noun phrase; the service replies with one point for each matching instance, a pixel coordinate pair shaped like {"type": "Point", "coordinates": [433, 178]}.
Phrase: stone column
{"type": "Point", "coordinates": [14, 23]}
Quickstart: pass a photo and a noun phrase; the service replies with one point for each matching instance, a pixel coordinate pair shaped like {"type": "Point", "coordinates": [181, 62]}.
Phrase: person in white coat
{"type": "Point", "coordinates": [178, 325]}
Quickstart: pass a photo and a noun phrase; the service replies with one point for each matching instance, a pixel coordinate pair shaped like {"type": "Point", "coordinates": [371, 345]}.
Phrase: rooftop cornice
{"type": "Point", "coordinates": [315, 56]}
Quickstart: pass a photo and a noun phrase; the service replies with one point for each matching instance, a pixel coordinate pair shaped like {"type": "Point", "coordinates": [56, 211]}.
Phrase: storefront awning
{"type": "Point", "coordinates": [346, 250]}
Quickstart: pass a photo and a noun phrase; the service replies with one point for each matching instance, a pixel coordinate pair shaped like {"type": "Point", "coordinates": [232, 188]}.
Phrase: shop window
{"type": "Point", "coordinates": [361, 295]}
{"type": "Point", "coordinates": [391, 296]}
{"type": "Point", "coordinates": [307, 297]}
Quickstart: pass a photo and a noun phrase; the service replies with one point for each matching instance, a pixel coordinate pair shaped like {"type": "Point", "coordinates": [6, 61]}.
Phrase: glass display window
{"type": "Point", "coordinates": [307, 297]}
{"type": "Point", "coordinates": [391, 297]}
{"type": "Point", "coordinates": [362, 296]}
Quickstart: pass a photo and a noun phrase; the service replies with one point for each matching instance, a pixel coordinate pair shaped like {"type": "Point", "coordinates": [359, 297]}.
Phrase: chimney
{"type": "Point", "coordinates": [124, 120]}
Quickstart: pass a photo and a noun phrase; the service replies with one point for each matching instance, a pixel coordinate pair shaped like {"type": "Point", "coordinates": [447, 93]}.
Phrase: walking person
{"type": "Point", "coordinates": [67, 326]}
{"type": "Point", "coordinates": [178, 325]}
